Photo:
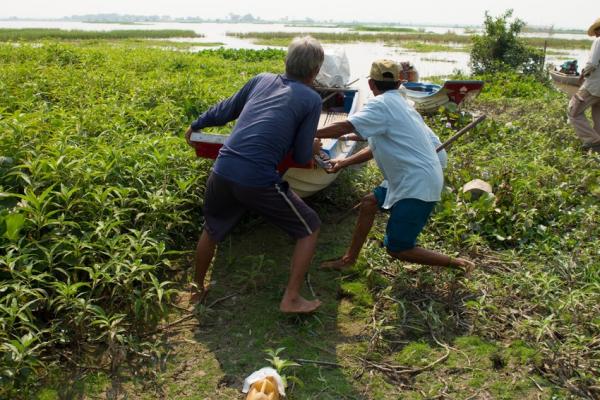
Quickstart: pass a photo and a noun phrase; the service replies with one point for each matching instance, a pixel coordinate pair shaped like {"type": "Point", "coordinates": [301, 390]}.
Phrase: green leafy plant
{"type": "Point", "coordinates": [281, 365]}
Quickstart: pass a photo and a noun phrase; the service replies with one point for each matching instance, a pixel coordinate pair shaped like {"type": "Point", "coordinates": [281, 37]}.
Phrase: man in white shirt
{"type": "Point", "coordinates": [587, 96]}
{"type": "Point", "coordinates": [404, 148]}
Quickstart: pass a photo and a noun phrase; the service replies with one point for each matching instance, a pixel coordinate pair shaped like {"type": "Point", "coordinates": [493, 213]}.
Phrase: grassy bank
{"type": "Point", "coordinates": [279, 38]}
{"type": "Point", "coordinates": [367, 28]}
{"type": "Point", "coordinates": [100, 206]}
{"type": "Point", "coordinates": [48, 33]}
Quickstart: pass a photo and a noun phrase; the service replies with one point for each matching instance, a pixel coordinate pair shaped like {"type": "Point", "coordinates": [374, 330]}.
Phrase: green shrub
{"type": "Point", "coordinates": [500, 48]}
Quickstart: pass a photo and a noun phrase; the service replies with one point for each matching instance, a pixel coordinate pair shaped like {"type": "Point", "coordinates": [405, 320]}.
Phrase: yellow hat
{"type": "Point", "coordinates": [384, 70]}
{"type": "Point", "coordinates": [593, 27]}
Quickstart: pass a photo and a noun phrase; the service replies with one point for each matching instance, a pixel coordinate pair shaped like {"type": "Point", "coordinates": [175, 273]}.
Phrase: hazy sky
{"type": "Point", "coordinates": [578, 14]}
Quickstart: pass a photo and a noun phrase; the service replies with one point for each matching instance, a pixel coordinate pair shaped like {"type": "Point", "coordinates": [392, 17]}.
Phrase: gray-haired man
{"type": "Point", "coordinates": [275, 114]}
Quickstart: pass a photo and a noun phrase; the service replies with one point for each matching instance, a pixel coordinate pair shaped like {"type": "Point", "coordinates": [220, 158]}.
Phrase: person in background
{"type": "Point", "coordinates": [276, 115]}
{"type": "Point", "coordinates": [588, 96]}
{"type": "Point", "coordinates": [404, 148]}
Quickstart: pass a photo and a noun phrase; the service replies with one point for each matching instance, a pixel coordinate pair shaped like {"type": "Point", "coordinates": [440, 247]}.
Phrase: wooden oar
{"type": "Point", "coordinates": [464, 130]}
{"type": "Point", "coordinates": [441, 147]}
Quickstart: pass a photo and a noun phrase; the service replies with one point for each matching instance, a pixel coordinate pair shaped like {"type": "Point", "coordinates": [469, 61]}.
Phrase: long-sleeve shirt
{"type": "Point", "coordinates": [591, 70]}
{"type": "Point", "coordinates": [275, 115]}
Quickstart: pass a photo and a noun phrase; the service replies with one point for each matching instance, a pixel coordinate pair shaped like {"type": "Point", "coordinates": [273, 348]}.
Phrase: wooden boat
{"type": "Point", "coordinates": [429, 97]}
{"type": "Point", "coordinates": [307, 179]}
{"type": "Point", "coordinates": [566, 83]}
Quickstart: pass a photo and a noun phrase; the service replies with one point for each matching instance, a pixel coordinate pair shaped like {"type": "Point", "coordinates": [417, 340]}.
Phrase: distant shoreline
{"type": "Point", "coordinates": [100, 19]}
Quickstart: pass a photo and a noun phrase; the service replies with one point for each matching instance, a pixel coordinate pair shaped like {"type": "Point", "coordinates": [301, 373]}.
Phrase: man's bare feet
{"type": "Point", "coordinates": [298, 305]}
{"type": "Point", "coordinates": [339, 264]}
{"type": "Point", "coordinates": [197, 295]}
{"type": "Point", "coordinates": [466, 266]}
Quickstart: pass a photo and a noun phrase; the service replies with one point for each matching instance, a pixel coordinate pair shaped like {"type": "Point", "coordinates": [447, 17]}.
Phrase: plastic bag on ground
{"type": "Point", "coordinates": [261, 374]}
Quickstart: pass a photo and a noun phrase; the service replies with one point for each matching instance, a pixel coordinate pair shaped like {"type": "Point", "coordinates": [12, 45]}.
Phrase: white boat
{"type": "Point", "coordinates": [308, 179]}
{"type": "Point", "coordinates": [429, 97]}
{"type": "Point", "coordinates": [306, 182]}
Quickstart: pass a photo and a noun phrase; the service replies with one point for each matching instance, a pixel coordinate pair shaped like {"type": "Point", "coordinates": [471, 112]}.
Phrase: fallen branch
{"type": "Point", "coordinates": [89, 367]}
{"type": "Point", "coordinates": [318, 362]}
{"type": "Point", "coordinates": [217, 301]}
{"type": "Point", "coordinates": [189, 316]}
{"type": "Point", "coordinates": [536, 384]}
{"type": "Point", "coordinates": [404, 370]}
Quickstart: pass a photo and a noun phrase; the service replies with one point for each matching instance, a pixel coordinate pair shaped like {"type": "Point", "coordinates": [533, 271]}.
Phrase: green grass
{"type": "Point", "coordinates": [345, 37]}
{"type": "Point", "coordinates": [426, 47]}
{"type": "Point", "coordinates": [367, 28]}
{"type": "Point", "coordinates": [283, 38]}
{"type": "Point", "coordinates": [100, 208]}
{"type": "Point", "coordinates": [99, 192]}
{"type": "Point", "coordinates": [29, 34]}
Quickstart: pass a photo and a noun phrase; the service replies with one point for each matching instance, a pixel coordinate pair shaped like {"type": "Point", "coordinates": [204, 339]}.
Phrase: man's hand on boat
{"type": "Point", "coordinates": [188, 136]}
{"type": "Point", "coordinates": [336, 165]}
{"type": "Point", "coordinates": [351, 137]}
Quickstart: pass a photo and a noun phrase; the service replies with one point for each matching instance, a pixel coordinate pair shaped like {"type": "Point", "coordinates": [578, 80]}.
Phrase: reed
{"type": "Point", "coordinates": [280, 38]}
{"type": "Point", "coordinates": [29, 34]}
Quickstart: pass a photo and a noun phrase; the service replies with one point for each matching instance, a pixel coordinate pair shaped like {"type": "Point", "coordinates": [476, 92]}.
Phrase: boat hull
{"type": "Point", "coordinates": [306, 182]}
{"type": "Point", "coordinates": [428, 98]}
{"type": "Point", "coordinates": [568, 84]}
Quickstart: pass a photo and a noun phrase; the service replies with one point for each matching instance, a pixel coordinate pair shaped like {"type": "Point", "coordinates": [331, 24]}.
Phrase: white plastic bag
{"type": "Point", "coordinates": [335, 71]}
{"type": "Point", "coordinates": [262, 374]}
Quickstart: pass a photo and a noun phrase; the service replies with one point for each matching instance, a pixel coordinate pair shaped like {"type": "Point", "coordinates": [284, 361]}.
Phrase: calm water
{"type": "Point", "coordinates": [359, 55]}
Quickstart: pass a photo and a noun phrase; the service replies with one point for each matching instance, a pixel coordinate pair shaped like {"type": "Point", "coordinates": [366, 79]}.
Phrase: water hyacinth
{"type": "Point", "coordinates": [100, 205]}
{"type": "Point", "coordinates": [98, 191]}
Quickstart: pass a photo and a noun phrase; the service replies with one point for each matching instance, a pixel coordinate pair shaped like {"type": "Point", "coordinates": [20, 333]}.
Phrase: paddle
{"type": "Point", "coordinates": [464, 130]}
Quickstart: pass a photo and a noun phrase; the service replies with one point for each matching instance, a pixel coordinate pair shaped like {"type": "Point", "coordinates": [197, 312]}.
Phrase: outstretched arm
{"type": "Point", "coordinates": [335, 130]}
{"type": "Point", "coordinates": [362, 156]}
{"type": "Point", "coordinates": [352, 137]}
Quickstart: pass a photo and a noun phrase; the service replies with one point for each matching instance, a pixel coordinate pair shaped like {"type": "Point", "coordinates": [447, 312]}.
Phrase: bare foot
{"type": "Point", "coordinates": [339, 264]}
{"type": "Point", "coordinates": [298, 305]}
{"type": "Point", "coordinates": [465, 265]}
{"type": "Point", "coordinates": [198, 296]}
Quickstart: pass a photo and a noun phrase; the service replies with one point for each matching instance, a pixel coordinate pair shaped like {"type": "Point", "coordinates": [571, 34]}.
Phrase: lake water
{"type": "Point", "coordinates": [359, 55]}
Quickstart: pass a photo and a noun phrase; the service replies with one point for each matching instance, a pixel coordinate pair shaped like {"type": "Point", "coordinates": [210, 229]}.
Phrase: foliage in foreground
{"type": "Point", "coordinates": [98, 193]}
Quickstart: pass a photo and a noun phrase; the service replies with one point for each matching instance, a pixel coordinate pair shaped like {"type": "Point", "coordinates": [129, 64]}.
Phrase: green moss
{"type": "Point", "coordinates": [475, 345]}
{"type": "Point", "coordinates": [523, 353]}
{"type": "Point", "coordinates": [358, 291]}
{"type": "Point", "coordinates": [47, 394]}
{"type": "Point", "coordinates": [416, 354]}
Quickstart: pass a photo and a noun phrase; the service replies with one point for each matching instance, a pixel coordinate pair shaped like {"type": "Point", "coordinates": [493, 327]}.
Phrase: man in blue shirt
{"type": "Point", "coordinates": [276, 115]}
{"type": "Point", "coordinates": [404, 148]}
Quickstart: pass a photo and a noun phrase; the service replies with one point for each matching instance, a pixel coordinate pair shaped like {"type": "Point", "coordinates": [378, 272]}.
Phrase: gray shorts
{"type": "Point", "coordinates": [225, 202]}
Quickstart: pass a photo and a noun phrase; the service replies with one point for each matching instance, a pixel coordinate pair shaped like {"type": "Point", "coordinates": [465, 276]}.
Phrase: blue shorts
{"type": "Point", "coordinates": [407, 219]}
